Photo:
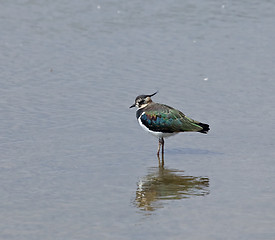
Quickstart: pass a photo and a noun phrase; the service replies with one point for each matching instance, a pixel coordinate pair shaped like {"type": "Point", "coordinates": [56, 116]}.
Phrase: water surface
{"type": "Point", "coordinates": [74, 164]}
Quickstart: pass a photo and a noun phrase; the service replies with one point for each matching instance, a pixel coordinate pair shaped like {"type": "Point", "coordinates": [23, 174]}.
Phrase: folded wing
{"type": "Point", "coordinates": [168, 120]}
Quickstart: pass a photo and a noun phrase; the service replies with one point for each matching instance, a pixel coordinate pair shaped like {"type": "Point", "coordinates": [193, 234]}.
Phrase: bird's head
{"type": "Point", "coordinates": [143, 100]}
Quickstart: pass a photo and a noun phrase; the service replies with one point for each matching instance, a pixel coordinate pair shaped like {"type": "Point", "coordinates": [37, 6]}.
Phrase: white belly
{"type": "Point", "coordinates": [156, 134]}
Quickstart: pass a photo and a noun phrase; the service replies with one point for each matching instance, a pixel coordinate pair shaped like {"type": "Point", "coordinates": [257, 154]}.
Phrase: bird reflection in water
{"type": "Point", "coordinates": [167, 184]}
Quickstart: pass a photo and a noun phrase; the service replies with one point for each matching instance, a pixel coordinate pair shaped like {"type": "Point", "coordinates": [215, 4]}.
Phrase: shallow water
{"type": "Point", "coordinates": [74, 162]}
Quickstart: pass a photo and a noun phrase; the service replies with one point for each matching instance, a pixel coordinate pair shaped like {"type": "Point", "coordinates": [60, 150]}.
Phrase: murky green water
{"type": "Point", "coordinates": [75, 164]}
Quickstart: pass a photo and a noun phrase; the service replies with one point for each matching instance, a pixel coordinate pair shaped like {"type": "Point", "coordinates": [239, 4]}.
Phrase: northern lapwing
{"type": "Point", "coordinates": [163, 121]}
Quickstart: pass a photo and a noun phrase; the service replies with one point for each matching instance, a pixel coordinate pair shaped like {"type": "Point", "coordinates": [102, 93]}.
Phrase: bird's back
{"type": "Point", "coordinates": [162, 118]}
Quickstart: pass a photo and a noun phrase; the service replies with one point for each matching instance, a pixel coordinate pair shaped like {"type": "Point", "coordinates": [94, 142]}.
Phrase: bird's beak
{"type": "Point", "coordinates": [132, 105]}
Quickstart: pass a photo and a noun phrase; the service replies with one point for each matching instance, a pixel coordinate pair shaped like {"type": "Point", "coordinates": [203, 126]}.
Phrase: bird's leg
{"type": "Point", "coordinates": [159, 146]}
{"type": "Point", "coordinates": [162, 143]}
{"type": "Point", "coordinates": [162, 152]}
{"type": "Point", "coordinates": [161, 163]}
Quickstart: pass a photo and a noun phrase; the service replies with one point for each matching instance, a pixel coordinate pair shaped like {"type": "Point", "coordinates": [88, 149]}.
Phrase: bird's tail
{"type": "Point", "coordinates": [205, 127]}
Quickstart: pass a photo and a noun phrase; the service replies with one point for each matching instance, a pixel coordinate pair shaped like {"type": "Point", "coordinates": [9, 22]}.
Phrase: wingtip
{"type": "Point", "coordinates": [205, 128]}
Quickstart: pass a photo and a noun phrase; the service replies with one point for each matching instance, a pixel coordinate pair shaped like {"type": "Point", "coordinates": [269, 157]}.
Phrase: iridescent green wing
{"type": "Point", "coordinates": [167, 119]}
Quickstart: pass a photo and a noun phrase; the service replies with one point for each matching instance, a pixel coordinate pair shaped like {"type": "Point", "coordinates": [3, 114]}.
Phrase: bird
{"type": "Point", "coordinates": [163, 121]}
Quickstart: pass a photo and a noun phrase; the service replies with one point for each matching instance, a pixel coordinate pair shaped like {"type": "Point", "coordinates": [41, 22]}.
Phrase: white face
{"type": "Point", "coordinates": [142, 102]}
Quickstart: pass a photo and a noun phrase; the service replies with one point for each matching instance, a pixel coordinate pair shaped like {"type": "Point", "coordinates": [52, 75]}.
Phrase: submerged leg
{"type": "Point", "coordinates": [161, 162]}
